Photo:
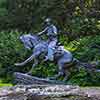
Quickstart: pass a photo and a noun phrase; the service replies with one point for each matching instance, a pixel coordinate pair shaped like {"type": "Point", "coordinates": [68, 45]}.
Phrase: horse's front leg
{"type": "Point", "coordinates": [26, 61]}
{"type": "Point", "coordinates": [35, 63]}
{"type": "Point", "coordinates": [34, 55]}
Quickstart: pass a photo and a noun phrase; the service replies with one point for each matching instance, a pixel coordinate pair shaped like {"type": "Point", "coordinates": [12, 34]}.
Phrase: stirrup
{"type": "Point", "coordinates": [46, 58]}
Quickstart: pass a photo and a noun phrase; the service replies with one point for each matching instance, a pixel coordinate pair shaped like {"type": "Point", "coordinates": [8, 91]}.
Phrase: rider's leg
{"type": "Point", "coordinates": [51, 48]}
{"type": "Point", "coordinates": [50, 54]}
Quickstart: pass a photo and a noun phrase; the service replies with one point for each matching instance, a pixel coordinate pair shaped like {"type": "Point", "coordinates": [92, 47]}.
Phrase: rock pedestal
{"type": "Point", "coordinates": [41, 92]}
{"type": "Point", "coordinates": [45, 92]}
{"type": "Point", "coordinates": [26, 79]}
{"type": "Point", "coordinates": [43, 89]}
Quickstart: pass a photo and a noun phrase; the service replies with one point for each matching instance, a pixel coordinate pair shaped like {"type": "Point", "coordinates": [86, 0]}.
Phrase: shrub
{"type": "Point", "coordinates": [11, 51]}
{"type": "Point", "coordinates": [82, 50]}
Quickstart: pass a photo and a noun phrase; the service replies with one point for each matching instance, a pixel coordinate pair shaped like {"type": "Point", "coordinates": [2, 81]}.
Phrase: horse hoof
{"type": "Point", "coordinates": [51, 78]}
{"type": "Point", "coordinates": [29, 73]}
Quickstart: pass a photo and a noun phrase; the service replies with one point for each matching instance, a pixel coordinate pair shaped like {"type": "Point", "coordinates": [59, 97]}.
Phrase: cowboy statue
{"type": "Point", "coordinates": [53, 52]}
{"type": "Point", "coordinates": [51, 32]}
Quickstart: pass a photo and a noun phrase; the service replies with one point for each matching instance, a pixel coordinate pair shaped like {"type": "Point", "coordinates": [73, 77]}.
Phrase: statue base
{"type": "Point", "coordinates": [26, 79]}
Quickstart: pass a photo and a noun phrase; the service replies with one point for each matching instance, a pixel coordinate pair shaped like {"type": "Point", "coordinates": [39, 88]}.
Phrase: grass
{"type": "Point", "coordinates": [5, 84]}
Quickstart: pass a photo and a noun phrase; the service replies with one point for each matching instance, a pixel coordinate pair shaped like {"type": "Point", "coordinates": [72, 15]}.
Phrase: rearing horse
{"type": "Point", "coordinates": [64, 60]}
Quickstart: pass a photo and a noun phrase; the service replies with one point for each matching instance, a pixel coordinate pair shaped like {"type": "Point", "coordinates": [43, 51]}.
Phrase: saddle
{"type": "Point", "coordinates": [58, 52]}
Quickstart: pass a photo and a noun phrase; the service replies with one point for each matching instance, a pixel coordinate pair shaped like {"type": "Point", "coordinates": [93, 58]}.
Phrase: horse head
{"type": "Point", "coordinates": [29, 40]}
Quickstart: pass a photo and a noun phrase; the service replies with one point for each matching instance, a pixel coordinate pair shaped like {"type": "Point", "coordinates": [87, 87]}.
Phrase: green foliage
{"type": "Point", "coordinates": [77, 17]}
{"type": "Point", "coordinates": [82, 50]}
{"type": "Point", "coordinates": [74, 16]}
{"type": "Point", "coordinates": [47, 69]}
{"type": "Point", "coordinates": [82, 26]}
{"type": "Point", "coordinates": [4, 84]}
{"type": "Point", "coordinates": [3, 10]}
{"type": "Point", "coordinates": [11, 51]}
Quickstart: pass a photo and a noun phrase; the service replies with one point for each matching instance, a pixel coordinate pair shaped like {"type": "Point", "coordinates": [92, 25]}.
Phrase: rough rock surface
{"type": "Point", "coordinates": [33, 88]}
{"type": "Point", "coordinates": [46, 92]}
{"type": "Point", "coordinates": [26, 79]}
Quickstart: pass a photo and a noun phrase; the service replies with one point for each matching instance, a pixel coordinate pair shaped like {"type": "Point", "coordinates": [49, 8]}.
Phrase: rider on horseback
{"type": "Point", "coordinates": [51, 32]}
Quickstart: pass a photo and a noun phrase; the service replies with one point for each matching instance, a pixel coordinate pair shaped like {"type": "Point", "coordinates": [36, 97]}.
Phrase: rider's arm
{"type": "Point", "coordinates": [40, 33]}
{"type": "Point", "coordinates": [55, 30]}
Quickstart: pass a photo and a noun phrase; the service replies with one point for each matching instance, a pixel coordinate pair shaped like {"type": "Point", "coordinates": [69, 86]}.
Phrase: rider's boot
{"type": "Point", "coordinates": [51, 58]}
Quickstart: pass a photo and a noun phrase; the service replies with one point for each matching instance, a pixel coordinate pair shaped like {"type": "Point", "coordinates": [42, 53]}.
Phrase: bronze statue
{"type": "Point", "coordinates": [62, 57]}
{"type": "Point", "coordinates": [49, 49]}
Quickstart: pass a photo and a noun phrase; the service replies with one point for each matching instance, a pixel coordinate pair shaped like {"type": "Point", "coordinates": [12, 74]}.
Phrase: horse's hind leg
{"type": "Point", "coordinates": [60, 70]}
{"type": "Point", "coordinates": [63, 71]}
{"type": "Point", "coordinates": [67, 74]}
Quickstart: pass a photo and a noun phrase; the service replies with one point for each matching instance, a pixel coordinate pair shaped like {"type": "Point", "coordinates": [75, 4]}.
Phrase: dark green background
{"type": "Point", "coordinates": [79, 25]}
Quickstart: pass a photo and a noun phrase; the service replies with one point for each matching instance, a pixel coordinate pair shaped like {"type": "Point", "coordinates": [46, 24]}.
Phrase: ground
{"type": "Point", "coordinates": [92, 91]}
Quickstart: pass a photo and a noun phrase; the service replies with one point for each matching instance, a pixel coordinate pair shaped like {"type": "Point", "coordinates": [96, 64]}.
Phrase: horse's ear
{"type": "Point", "coordinates": [21, 36]}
